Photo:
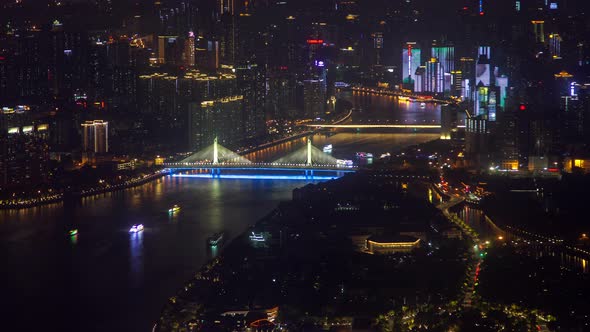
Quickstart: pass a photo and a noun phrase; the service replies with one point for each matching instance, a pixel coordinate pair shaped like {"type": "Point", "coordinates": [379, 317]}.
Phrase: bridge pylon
{"type": "Point", "coordinates": [309, 161]}
{"type": "Point", "coordinates": [215, 152]}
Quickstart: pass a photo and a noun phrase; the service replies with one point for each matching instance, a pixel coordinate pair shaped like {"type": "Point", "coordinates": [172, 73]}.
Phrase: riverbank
{"type": "Point", "coordinates": [55, 198]}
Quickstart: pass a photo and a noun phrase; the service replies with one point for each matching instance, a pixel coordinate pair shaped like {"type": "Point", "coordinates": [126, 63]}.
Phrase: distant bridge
{"type": "Point", "coordinates": [216, 161]}
{"type": "Point", "coordinates": [364, 126]}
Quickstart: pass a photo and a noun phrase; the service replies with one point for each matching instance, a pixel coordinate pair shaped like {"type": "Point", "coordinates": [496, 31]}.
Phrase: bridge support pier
{"type": "Point", "coordinates": [215, 172]}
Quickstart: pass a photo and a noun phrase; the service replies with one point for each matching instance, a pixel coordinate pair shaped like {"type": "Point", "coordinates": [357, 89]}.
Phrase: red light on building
{"type": "Point", "coordinates": [283, 67]}
{"type": "Point", "coordinates": [315, 41]}
{"type": "Point", "coordinates": [2, 58]}
{"type": "Point", "coordinates": [481, 13]}
{"type": "Point", "coordinates": [522, 107]}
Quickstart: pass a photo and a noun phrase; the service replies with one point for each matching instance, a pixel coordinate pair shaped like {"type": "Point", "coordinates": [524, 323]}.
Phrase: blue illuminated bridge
{"type": "Point", "coordinates": [216, 161]}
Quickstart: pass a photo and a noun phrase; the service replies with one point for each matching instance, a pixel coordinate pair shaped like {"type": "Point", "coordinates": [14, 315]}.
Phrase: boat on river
{"type": "Point", "coordinates": [215, 239]}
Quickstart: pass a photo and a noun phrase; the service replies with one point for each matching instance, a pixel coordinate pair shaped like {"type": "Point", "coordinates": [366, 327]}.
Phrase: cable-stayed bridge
{"type": "Point", "coordinates": [216, 160]}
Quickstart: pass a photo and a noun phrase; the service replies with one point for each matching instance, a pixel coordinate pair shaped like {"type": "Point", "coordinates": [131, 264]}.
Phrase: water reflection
{"type": "Point", "coordinates": [477, 220]}
{"type": "Point", "coordinates": [74, 239]}
{"type": "Point", "coordinates": [345, 145]}
{"type": "Point", "coordinates": [136, 258]}
{"type": "Point", "coordinates": [213, 251]}
{"type": "Point", "coordinates": [566, 260]}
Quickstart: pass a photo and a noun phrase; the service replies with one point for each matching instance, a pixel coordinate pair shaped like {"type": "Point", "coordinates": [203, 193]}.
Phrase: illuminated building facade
{"type": "Point", "coordinates": [477, 135]}
{"type": "Point", "coordinates": [382, 245]}
{"type": "Point", "coordinates": [483, 73]}
{"type": "Point", "coordinates": [251, 83]}
{"type": "Point", "coordinates": [410, 62]}
{"type": "Point", "coordinates": [314, 98]}
{"type": "Point", "coordinates": [95, 136]}
{"type": "Point", "coordinates": [219, 118]}
{"type": "Point", "coordinates": [169, 49]}
{"type": "Point", "coordinates": [434, 77]}
{"type": "Point", "coordinates": [555, 46]}
{"type": "Point", "coordinates": [448, 119]}
{"type": "Point", "coordinates": [24, 149]}
{"type": "Point", "coordinates": [189, 50]}
{"type": "Point", "coordinates": [167, 103]}
{"type": "Point", "coordinates": [539, 31]}
{"type": "Point", "coordinates": [446, 56]}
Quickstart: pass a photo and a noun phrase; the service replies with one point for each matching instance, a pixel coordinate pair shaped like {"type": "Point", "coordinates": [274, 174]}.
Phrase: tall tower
{"type": "Point", "coordinates": [539, 30]}
{"type": "Point", "coordinates": [410, 61]}
{"type": "Point", "coordinates": [95, 136]}
{"type": "Point", "coordinates": [189, 50]}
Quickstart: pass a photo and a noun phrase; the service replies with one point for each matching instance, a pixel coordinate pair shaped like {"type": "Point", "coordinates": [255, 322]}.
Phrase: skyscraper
{"type": "Point", "coordinates": [95, 136]}
{"type": "Point", "coordinates": [434, 77]}
{"type": "Point", "coordinates": [251, 83]}
{"type": "Point", "coordinates": [24, 152]}
{"type": "Point", "coordinates": [410, 62]}
{"type": "Point", "coordinates": [189, 50]}
{"type": "Point", "coordinates": [482, 70]}
{"type": "Point", "coordinates": [555, 46]}
{"type": "Point", "coordinates": [446, 56]}
{"type": "Point", "coordinates": [314, 98]}
{"type": "Point", "coordinates": [539, 30]}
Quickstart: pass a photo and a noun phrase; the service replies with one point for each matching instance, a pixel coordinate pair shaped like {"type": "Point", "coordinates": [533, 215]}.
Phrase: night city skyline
{"type": "Point", "coordinates": [294, 165]}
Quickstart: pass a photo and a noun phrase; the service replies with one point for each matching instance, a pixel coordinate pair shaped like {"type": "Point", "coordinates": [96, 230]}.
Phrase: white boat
{"type": "Point", "coordinates": [136, 228]}
{"type": "Point", "coordinates": [344, 163]}
{"type": "Point", "coordinates": [364, 155]}
{"type": "Point", "coordinates": [422, 105]}
{"type": "Point", "coordinates": [174, 209]}
{"type": "Point", "coordinates": [328, 148]}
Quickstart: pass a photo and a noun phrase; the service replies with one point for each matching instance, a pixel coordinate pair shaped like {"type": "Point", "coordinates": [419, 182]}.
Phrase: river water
{"type": "Point", "coordinates": [107, 279]}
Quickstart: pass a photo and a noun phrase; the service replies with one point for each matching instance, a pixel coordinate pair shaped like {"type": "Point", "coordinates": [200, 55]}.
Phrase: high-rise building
{"type": "Point", "coordinates": [446, 56]}
{"type": "Point", "coordinates": [24, 150]}
{"type": "Point", "coordinates": [482, 71]}
{"type": "Point", "coordinates": [219, 118]}
{"type": "Point", "coordinates": [169, 49]}
{"type": "Point", "coordinates": [410, 62]}
{"type": "Point", "coordinates": [207, 55]}
{"type": "Point", "coordinates": [539, 31]}
{"type": "Point", "coordinates": [189, 50]}
{"type": "Point", "coordinates": [555, 46]}
{"type": "Point", "coordinates": [477, 136]}
{"type": "Point", "coordinates": [314, 98]}
{"type": "Point", "coordinates": [165, 100]}
{"type": "Point", "coordinates": [251, 83]}
{"type": "Point", "coordinates": [95, 136]}
{"type": "Point", "coordinates": [227, 6]}
{"type": "Point", "coordinates": [420, 79]}
{"type": "Point", "coordinates": [281, 97]}
{"type": "Point", "coordinates": [448, 121]}
{"type": "Point", "coordinates": [434, 77]}
{"type": "Point", "coordinates": [502, 84]}
{"type": "Point", "coordinates": [377, 38]}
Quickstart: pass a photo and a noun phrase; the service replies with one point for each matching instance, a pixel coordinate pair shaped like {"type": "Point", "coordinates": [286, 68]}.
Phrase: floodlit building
{"type": "Point", "coordinates": [385, 245]}
{"type": "Point", "coordinates": [95, 136]}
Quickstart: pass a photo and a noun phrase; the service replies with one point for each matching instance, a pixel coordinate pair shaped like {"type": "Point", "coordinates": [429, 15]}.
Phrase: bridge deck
{"type": "Point", "coordinates": [260, 166]}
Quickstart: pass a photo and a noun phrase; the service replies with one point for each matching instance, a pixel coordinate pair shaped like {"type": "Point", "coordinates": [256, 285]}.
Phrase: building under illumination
{"type": "Point", "coordinates": [95, 136]}
{"type": "Point", "coordinates": [385, 245]}
{"type": "Point", "coordinates": [24, 150]}
{"type": "Point", "coordinates": [410, 62]}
